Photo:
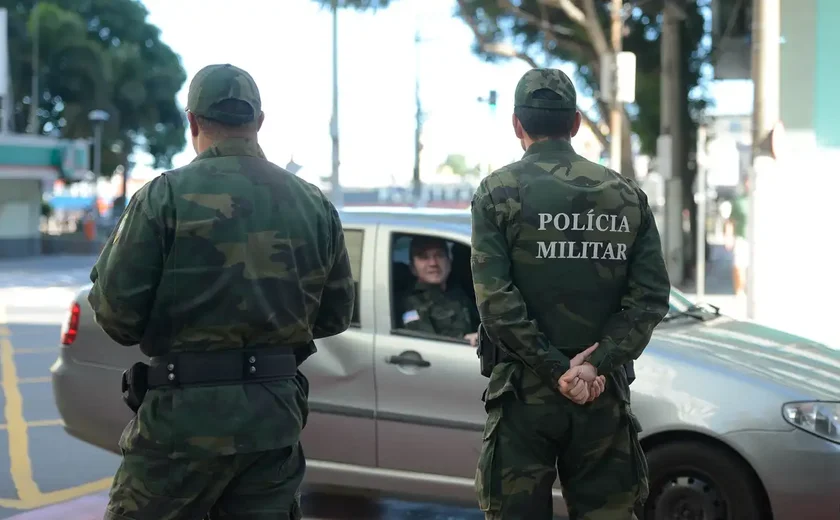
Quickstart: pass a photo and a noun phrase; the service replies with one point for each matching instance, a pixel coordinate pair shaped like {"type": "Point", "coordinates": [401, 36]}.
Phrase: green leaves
{"type": "Point", "coordinates": [98, 54]}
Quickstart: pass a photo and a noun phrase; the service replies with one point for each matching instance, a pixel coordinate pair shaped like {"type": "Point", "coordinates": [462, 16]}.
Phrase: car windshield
{"type": "Point", "coordinates": [679, 302]}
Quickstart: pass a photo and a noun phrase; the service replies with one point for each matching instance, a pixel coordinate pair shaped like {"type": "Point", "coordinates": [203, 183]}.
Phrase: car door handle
{"type": "Point", "coordinates": [407, 359]}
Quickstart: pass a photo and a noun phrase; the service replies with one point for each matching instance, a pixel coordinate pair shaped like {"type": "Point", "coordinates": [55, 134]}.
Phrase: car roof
{"type": "Point", "coordinates": [422, 218]}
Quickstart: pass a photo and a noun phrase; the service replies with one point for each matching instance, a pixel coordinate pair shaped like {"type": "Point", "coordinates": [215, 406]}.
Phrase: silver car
{"type": "Point", "coordinates": [740, 421]}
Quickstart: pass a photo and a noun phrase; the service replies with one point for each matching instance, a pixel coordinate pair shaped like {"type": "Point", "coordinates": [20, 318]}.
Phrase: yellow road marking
{"type": "Point", "coordinates": [39, 350]}
{"type": "Point", "coordinates": [45, 422]}
{"type": "Point", "coordinates": [29, 495]}
{"type": "Point", "coordinates": [38, 424]}
{"type": "Point", "coordinates": [29, 380]}
{"type": "Point", "coordinates": [21, 466]}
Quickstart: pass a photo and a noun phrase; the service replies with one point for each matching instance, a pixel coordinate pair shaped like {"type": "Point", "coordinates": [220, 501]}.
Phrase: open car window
{"type": "Point", "coordinates": [354, 241]}
{"type": "Point", "coordinates": [402, 280]}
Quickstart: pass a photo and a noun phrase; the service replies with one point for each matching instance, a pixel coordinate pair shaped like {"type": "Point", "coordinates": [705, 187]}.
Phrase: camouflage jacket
{"type": "Point", "coordinates": [428, 308]}
{"type": "Point", "coordinates": [565, 253]}
{"type": "Point", "coordinates": [227, 252]}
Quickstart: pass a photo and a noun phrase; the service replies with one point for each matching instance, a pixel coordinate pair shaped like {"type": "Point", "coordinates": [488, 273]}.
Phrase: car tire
{"type": "Point", "coordinates": [696, 480]}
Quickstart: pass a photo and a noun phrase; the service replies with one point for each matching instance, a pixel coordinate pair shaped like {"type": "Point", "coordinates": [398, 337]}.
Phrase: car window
{"type": "Point", "coordinates": [354, 241]}
{"type": "Point", "coordinates": [403, 280]}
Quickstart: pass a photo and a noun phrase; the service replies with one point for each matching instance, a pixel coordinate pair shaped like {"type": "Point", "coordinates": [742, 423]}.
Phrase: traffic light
{"type": "Point", "coordinates": [492, 98]}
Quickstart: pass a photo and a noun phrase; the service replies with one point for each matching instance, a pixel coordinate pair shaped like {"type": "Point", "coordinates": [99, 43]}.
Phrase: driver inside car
{"type": "Point", "coordinates": [433, 304]}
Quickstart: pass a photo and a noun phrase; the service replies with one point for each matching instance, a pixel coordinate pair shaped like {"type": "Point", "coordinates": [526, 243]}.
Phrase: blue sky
{"type": "Point", "coordinates": [287, 47]}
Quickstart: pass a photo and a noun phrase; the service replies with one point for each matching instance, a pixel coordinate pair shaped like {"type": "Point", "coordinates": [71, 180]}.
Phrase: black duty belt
{"type": "Point", "coordinates": [223, 367]}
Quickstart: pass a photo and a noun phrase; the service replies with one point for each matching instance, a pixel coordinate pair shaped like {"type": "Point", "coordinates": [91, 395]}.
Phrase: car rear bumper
{"type": "Point", "coordinates": [799, 471]}
{"type": "Point", "coordinates": [89, 401]}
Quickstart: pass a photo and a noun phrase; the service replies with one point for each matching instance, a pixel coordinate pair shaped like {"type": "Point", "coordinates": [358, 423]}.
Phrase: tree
{"type": "Point", "coordinates": [97, 54]}
{"type": "Point", "coordinates": [457, 163]}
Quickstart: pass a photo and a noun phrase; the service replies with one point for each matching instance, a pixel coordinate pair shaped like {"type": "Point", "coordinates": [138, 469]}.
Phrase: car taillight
{"type": "Point", "coordinates": [71, 325]}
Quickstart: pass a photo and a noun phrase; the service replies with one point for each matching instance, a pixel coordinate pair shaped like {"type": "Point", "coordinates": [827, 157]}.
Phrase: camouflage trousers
{"type": "Point", "coordinates": [593, 449]}
{"type": "Point", "coordinates": [246, 486]}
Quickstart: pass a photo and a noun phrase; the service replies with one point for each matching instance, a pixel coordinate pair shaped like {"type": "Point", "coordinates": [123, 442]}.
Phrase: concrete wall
{"type": "Point", "coordinates": [20, 215]}
{"type": "Point", "coordinates": [796, 238]}
{"type": "Point", "coordinates": [827, 74]}
{"type": "Point", "coordinates": [26, 163]}
{"type": "Point", "coordinates": [810, 77]}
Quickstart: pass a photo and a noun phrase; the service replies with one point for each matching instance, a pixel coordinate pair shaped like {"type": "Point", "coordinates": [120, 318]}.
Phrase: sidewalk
{"type": "Point", "coordinates": [719, 290]}
{"type": "Point", "coordinates": [798, 312]}
{"type": "Point", "coordinates": [43, 283]}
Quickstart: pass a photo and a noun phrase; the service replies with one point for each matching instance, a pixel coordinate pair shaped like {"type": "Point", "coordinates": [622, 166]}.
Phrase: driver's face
{"type": "Point", "coordinates": [432, 265]}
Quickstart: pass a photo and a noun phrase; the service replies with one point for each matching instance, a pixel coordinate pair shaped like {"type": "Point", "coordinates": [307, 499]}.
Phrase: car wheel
{"type": "Point", "coordinates": [695, 481]}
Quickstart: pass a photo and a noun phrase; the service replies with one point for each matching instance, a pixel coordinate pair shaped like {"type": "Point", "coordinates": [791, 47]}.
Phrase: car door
{"type": "Point", "coordinates": [428, 389]}
{"type": "Point", "coordinates": [341, 426]}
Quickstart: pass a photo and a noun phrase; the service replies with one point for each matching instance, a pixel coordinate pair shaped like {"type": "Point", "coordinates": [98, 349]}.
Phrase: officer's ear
{"type": "Point", "coordinates": [576, 124]}
{"type": "Point", "coordinates": [517, 127]}
{"type": "Point", "coordinates": [260, 120]}
{"type": "Point", "coordinates": [193, 121]}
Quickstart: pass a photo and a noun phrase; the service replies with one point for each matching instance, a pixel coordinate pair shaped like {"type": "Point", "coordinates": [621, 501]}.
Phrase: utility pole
{"type": "Point", "coordinates": [418, 122]}
{"type": "Point", "coordinates": [616, 30]}
{"type": "Point", "coordinates": [670, 142]}
{"type": "Point", "coordinates": [5, 80]}
{"type": "Point", "coordinates": [35, 96]}
{"type": "Point", "coordinates": [766, 33]}
{"type": "Point", "coordinates": [337, 192]}
{"type": "Point", "coordinates": [700, 199]}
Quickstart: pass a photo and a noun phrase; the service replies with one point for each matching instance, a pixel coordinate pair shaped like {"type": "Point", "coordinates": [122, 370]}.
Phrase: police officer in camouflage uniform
{"type": "Point", "coordinates": [570, 282]}
{"type": "Point", "coordinates": [433, 304]}
{"type": "Point", "coordinates": [224, 271]}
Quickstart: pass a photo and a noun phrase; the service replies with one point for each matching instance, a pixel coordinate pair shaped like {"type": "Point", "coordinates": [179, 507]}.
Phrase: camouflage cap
{"type": "Point", "coordinates": [552, 79]}
{"type": "Point", "coordinates": [215, 83]}
{"type": "Point", "coordinates": [421, 243]}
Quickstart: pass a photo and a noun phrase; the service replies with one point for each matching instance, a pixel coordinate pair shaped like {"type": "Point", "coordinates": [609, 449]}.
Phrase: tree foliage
{"type": "Point", "coordinates": [97, 54]}
{"type": "Point", "coordinates": [457, 164]}
{"type": "Point", "coordinates": [546, 32]}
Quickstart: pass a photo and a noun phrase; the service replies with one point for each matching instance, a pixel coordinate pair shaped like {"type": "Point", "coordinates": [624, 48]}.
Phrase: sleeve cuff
{"type": "Point", "coordinates": [599, 359]}
{"type": "Point", "coordinates": [557, 370]}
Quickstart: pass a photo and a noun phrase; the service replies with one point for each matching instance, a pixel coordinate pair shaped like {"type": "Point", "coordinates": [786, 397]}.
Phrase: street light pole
{"type": "Point", "coordinates": [616, 29]}
{"type": "Point", "coordinates": [35, 95]}
{"type": "Point", "coordinates": [97, 148]}
{"type": "Point", "coordinates": [418, 122]}
{"type": "Point", "coordinates": [99, 118]}
{"type": "Point", "coordinates": [337, 193]}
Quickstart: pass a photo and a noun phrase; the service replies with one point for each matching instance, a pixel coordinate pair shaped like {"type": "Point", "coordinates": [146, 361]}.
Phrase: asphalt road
{"type": "Point", "coordinates": [47, 474]}
{"type": "Point", "coordinates": [39, 463]}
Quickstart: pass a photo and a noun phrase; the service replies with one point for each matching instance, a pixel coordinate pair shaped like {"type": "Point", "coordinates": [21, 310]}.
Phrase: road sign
{"type": "Point", "coordinates": [664, 156]}
{"type": "Point", "coordinates": [625, 63]}
{"type": "Point", "coordinates": [618, 77]}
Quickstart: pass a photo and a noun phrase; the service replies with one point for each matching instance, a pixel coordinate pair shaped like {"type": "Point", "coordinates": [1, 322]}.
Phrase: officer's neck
{"type": "Point", "coordinates": [527, 142]}
{"type": "Point", "coordinates": [204, 141]}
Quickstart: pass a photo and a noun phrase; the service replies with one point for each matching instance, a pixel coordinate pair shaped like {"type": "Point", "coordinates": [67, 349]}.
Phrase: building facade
{"type": "Point", "coordinates": [28, 165]}
{"type": "Point", "coordinates": [795, 195]}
